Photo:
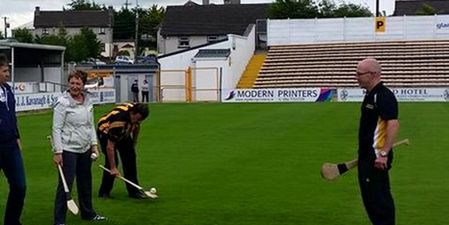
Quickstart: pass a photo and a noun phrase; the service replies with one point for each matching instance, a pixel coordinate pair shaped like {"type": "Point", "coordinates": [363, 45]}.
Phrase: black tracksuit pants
{"type": "Point", "coordinates": [75, 165]}
{"type": "Point", "coordinates": [124, 148]}
{"type": "Point", "coordinates": [376, 194]}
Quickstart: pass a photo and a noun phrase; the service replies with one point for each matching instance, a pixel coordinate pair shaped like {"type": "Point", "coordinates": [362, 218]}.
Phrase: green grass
{"type": "Point", "coordinates": [253, 164]}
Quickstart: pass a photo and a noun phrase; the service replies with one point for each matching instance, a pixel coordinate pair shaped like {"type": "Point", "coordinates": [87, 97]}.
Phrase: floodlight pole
{"type": "Point", "coordinates": [136, 38]}
{"type": "Point", "coordinates": [377, 8]}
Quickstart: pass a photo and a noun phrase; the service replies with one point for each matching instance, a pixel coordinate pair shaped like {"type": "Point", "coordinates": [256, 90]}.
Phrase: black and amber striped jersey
{"type": "Point", "coordinates": [379, 106]}
{"type": "Point", "coordinates": [116, 125]}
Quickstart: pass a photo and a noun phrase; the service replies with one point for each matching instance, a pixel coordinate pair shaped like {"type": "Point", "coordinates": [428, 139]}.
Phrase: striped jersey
{"type": "Point", "coordinates": [116, 125]}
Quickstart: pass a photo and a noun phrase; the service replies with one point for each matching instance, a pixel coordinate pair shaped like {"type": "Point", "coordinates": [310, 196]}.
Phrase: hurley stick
{"type": "Point", "coordinates": [331, 171]}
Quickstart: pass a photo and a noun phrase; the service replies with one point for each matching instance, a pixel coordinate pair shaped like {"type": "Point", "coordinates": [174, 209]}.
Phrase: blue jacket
{"type": "Point", "coordinates": [8, 121]}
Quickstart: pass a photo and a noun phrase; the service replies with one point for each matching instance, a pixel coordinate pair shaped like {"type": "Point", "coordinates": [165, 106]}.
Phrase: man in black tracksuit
{"type": "Point", "coordinates": [378, 128]}
{"type": "Point", "coordinates": [118, 131]}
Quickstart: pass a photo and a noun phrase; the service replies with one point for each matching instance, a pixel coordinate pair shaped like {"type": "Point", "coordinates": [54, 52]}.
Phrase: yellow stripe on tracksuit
{"type": "Point", "coordinates": [124, 107]}
{"type": "Point", "coordinates": [380, 134]}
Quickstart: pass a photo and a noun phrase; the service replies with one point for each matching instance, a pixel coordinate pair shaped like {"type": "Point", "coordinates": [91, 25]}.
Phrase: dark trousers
{"type": "Point", "coordinates": [79, 165]}
{"type": "Point", "coordinates": [376, 194]}
{"type": "Point", "coordinates": [125, 149]}
{"type": "Point", "coordinates": [135, 96]}
{"type": "Point", "coordinates": [12, 165]}
{"type": "Point", "coordinates": [145, 95]}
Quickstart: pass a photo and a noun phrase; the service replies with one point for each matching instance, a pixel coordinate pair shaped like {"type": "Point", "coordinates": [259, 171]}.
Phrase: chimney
{"type": "Point", "coordinates": [111, 16]}
{"type": "Point", "coordinates": [205, 2]}
{"type": "Point", "coordinates": [37, 11]}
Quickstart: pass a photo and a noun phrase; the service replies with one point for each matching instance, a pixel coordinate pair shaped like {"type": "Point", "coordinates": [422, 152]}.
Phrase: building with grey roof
{"type": "Point", "coordinates": [99, 21]}
{"type": "Point", "coordinates": [192, 25]}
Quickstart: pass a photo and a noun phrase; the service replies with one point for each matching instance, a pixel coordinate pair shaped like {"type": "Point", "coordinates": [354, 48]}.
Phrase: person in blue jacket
{"type": "Point", "coordinates": [10, 149]}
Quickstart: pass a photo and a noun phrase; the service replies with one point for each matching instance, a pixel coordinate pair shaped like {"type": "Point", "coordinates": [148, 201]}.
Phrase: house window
{"type": "Point", "coordinates": [212, 39]}
{"type": "Point", "coordinates": [44, 31]}
{"type": "Point", "coordinates": [183, 42]}
{"type": "Point", "coordinates": [103, 47]}
{"type": "Point", "coordinates": [102, 30]}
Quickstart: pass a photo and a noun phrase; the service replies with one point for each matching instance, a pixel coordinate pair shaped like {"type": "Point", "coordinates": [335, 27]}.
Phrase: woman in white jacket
{"type": "Point", "coordinates": [74, 140]}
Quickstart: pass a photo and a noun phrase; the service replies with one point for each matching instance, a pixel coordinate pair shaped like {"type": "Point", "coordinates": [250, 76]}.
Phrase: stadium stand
{"type": "Point", "coordinates": [404, 64]}
{"type": "Point", "coordinates": [252, 70]}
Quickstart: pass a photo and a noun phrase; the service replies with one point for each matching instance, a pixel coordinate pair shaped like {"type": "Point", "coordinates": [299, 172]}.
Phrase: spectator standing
{"type": "Point", "coordinates": [145, 91]}
{"type": "Point", "coordinates": [135, 91]}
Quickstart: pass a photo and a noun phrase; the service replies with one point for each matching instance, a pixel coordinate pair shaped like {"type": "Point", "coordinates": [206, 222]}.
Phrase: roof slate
{"type": "Point", "coordinates": [213, 53]}
{"type": "Point", "coordinates": [211, 19]}
{"type": "Point", "coordinates": [84, 18]}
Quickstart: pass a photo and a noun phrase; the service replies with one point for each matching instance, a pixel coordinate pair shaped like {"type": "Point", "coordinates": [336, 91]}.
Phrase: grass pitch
{"type": "Point", "coordinates": [252, 164]}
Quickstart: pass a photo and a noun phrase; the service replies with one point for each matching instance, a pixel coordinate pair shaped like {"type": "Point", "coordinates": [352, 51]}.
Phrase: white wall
{"type": "Point", "coordinates": [170, 44]}
{"type": "Point", "coordinates": [240, 57]}
{"type": "Point", "coordinates": [207, 76]}
{"type": "Point", "coordinates": [300, 31]}
{"type": "Point", "coordinates": [173, 67]}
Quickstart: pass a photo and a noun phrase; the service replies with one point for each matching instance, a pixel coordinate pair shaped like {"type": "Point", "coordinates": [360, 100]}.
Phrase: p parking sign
{"type": "Point", "coordinates": [380, 24]}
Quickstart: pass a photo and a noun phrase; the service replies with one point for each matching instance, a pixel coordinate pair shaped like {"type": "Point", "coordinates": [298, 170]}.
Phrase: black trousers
{"type": "Point", "coordinates": [11, 163]}
{"type": "Point", "coordinates": [135, 96]}
{"type": "Point", "coordinates": [145, 95]}
{"type": "Point", "coordinates": [75, 165]}
{"type": "Point", "coordinates": [125, 149]}
{"type": "Point", "coordinates": [376, 194]}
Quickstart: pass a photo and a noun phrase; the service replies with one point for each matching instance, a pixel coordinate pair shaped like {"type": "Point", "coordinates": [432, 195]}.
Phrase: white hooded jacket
{"type": "Point", "coordinates": [73, 124]}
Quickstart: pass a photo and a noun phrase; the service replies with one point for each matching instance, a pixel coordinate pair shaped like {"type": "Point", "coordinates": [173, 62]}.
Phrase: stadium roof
{"type": "Point", "coordinates": [201, 20]}
{"type": "Point", "coordinates": [412, 7]}
{"type": "Point", "coordinates": [7, 44]}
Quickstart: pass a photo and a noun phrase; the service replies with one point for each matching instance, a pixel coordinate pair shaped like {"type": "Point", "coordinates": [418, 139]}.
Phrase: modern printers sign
{"type": "Point", "coordinates": [278, 95]}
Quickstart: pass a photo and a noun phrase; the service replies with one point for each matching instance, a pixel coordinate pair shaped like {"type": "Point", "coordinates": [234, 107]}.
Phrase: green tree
{"type": "Point", "coordinates": [91, 42]}
{"type": "Point", "coordinates": [76, 49]}
{"type": "Point", "coordinates": [282, 9]}
{"type": "Point", "coordinates": [352, 10]}
{"type": "Point", "coordinates": [23, 35]}
{"type": "Point", "coordinates": [84, 5]}
{"type": "Point", "coordinates": [326, 9]}
{"type": "Point", "coordinates": [426, 10]}
{"type": "Point", "coordinates": [124, 24]}
{"type": "Point", "coordinates": [148, 23]}
{"type": "Point", "coordinates": [1, 35]}
{"type": "Point", "coordinates": [59, 39]}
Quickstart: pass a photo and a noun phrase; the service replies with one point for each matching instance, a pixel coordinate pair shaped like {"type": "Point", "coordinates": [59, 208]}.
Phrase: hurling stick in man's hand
{"type": "Point", "coordinates": [330, 171]}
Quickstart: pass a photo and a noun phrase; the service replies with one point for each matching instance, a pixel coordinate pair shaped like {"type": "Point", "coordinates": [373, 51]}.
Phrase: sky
{"type": "Point", "coordinates": [20, 12]}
